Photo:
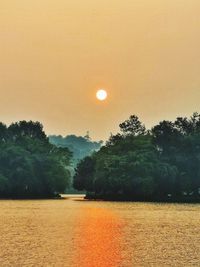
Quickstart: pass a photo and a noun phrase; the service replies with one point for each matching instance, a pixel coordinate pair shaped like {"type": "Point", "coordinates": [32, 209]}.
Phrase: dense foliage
{"type": "Point", "coordinates": [29, 165]}
{"type": "Point", "coordinates": [136, 164]}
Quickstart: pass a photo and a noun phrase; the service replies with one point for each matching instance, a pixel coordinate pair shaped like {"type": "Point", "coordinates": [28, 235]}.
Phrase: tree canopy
{"type": "Point", "coordinates": [159, 164]}
{"type": "Point", "coordinates": [29, 165]}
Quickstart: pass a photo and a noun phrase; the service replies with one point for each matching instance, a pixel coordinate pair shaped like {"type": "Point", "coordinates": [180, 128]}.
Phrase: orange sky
{"type": "Point", "coordinates": [54, 54]}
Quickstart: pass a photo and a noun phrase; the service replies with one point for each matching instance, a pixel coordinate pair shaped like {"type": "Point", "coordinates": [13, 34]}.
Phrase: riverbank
{"type": "Point", "coordinates": [181, 199]}
{"type": "Point", "coordinates": [31, 197]}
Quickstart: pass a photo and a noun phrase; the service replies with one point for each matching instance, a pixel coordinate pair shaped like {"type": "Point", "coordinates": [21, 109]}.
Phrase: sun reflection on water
{"type": "Point", "coordinates": [99, 238]}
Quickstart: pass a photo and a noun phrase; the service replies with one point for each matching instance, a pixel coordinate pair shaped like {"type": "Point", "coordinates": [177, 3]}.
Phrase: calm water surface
{"type": "Point", "coordinates": [73, 232]}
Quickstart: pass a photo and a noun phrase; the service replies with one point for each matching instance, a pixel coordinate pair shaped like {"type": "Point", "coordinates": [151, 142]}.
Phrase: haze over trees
{"type": "Point", "coordinates": [29, 165]}
{"type": "Point", "coordinates": [138, 164]}
{"type": "Point", "coordinates": [79, 146]}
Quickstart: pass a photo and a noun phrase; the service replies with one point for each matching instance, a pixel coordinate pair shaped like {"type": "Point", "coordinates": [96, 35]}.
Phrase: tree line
{"type": "Point", "coordinates": [31, 167]}
{"type": "Point", "coordinates": [161, 164]}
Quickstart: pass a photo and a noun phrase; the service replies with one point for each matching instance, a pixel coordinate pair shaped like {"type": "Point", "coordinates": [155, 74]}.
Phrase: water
{"type": "Point", "coordinates": [73, 232]}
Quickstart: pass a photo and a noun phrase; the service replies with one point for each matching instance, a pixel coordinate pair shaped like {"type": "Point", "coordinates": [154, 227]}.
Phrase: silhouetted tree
{"type": "Point", "coordinates": [83, 179]}
{"type": "Point", "coordinates": [132, 126]}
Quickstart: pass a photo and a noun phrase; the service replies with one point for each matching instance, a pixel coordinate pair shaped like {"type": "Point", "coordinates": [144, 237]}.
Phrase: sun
{"type": "Point", "coordinates": [101, 94]}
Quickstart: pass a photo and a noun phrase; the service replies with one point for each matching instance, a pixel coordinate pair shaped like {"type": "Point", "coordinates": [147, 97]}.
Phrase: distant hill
{"type": "Point", "coordinates": [80, 146]}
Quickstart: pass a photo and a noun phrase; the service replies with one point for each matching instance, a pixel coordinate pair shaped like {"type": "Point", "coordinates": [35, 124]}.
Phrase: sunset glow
{"type": "Point", "coordinates": [55, 55]}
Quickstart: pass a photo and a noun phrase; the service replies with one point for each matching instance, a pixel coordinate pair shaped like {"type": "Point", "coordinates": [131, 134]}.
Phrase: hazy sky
{"type": "Point", "coordinates": [55, 54]}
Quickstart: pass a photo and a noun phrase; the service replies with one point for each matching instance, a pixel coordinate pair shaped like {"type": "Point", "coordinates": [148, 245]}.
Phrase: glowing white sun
{"type": "Point", "coordinates": [101, 94]}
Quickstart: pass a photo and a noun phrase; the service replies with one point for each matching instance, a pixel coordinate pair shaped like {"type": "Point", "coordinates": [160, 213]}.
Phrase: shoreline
{"type": "Point", "coordinates": [156, 200]}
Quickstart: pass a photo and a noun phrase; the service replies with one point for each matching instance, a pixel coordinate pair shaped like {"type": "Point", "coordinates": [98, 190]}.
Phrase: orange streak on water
{"type": "Point", "coordinates": [98, 242]}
